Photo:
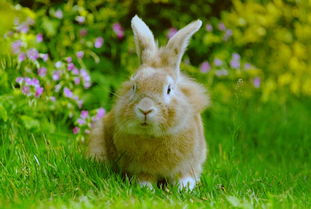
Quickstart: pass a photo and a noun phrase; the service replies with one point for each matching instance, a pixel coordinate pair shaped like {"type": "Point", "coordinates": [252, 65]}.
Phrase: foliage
{"type": "Point", "coordinates": [276, 37]}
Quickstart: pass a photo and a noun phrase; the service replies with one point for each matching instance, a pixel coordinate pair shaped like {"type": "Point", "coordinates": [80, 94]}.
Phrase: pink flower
{"type": "Point", "coordinates": [19, 80]}
{"type": "Point", "coordinates": [81, 121]}
{"type": "Point", "coordinates": [76, 130]}
{"type": "Point", "coordinates": [21, 57]}
{"type": "Point", "coordinates": [83, 32]}
{"type": "Point", "coordinates": [42, 71]}
{"type": "Point", "coordinates": [171, 32]}
{"type": "Point", "coordinates": [76, 80]}
{"type": "Point", "coordinates": [205, 67]}
{"type": "Point", "coordinates": [39, 91]}
{"type": "Point", "coordinates": [45, 57]}
{"type": "Point", "coordinates": [71, 66]}
{"type": "Point", "coordinates": [98, 42]}
{"type": "Point", "coordinates": [32, 54]}
{"type": "Point", "coordinates": [118, 30]}
{"type": "Point", "coordinates": [80, 54]}
{"type": "Point", "coordinates": [16, 46]}
{"type": "Point", "coordinates": [209, 27]}
{"type": "Point", "coordinates": [75, 71]}
{"type": "Point", "coordinates": [69, 59]}
{"type": "Point", "coordinates": [256, 82]}
{"type": "Point", "coordinates": [100, 114]}
{"type": "Point", "coordinates": [86, 78]}
{"type": "Point", "coordinates": [39, 37]}
{"type": "Point", "coordinates": [59, 14]}
{"type": "Point", "coordinates": [84, 114]}
{"type": "Point", "coordinates": [67, 92]}
{"type": "Point", "coordinates": [56, 75]}
{"type": "Point", "coordinates": [32, 82]}
{"type": "Point", "coordinates": [80, 19]}
{"type": "Point", "coordinates": [26, 90]}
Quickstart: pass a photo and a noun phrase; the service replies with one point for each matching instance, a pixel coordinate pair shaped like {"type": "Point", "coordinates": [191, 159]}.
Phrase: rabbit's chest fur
{"type": "Point", "coordinates": [160, 156]}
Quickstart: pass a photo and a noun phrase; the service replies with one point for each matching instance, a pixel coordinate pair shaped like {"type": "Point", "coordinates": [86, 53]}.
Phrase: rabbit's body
{"type": "Point", "coordinates": [155, 129]}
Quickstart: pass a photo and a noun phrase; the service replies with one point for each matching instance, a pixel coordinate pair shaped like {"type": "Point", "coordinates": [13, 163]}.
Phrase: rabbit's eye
{"type": "Point", "coordinates": [169, 89]}
{"type": "Point", "coordinates": [134, 87]}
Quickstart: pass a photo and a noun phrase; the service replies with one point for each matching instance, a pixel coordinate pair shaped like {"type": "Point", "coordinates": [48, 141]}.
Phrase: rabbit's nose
{"type": "Point", "coordinates": [145, 107]}
{"type": "Point", "coordinates": [145, 111]}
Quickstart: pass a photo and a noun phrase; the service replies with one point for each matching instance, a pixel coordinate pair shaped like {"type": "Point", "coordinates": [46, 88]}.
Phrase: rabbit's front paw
{"type": "Point", "coordinates": [146, 184]}
{"type": "Point", "coordinates": [187, 183]}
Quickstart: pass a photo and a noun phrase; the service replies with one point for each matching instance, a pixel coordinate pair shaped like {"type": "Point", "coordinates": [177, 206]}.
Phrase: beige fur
{"type": "Point", "coordinates": [154, 132]}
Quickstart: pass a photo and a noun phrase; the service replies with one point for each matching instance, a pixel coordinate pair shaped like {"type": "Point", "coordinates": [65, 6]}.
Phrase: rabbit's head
{"type": "Point", "coordinates": [156, 100]}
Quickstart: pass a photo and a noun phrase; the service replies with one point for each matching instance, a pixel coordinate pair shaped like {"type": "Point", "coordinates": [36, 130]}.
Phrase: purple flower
{"type": "Point", "coordinates": [86, 78]}
{"type": "Point", "coordinates": [59, 14]}
{"type": "Point", "coordinates": [80, 54]}
{"type": "Point", "coordinates": [23, 28]}
{"type": "Point", "coordinates": [100, 114]}
{"type": "Point", "coordinates": [228, 34]}
{"type": "Point", "coordinates": [19, 80]}
{"type": "Point", "coordinates": [256, 82]}
{"type": "Point", "coordinates": [39, 37]}
{"type": "Point", "coordinates": [21, 57]}
{"type": "Point", "coordinates": [83, 32]}
{"type": "Point", "coordinates": [39, 91]}
{"type": "Point", "coordinates": [235, 61]}
{"type": "Point", "coordinates": [32, 82]}
{"type": "Point", "coordinates": [205, 67]}
{"type": "Point", "coordinates": [45, 57]}
{"type": "Point", "coordinates": [77, 80]}
{"type": "Point", "coordinates": [71, 66]}
{"type": "Point", "coordinates": [56, 75]}
{"type": "Point", "coordinates": [75, 71]}
{"type": "Point", "coordinates": [221, 26]}
{"type": "Point", "coordinates": [98, 42]}
{"type": "Point", "coordinates": [84, 114]}
{"type": "Point", "coordinates": [81, 121]}
{"type": "Point", "coordinates": [58, 64]}
{"type": "Point", "coordinates": [118, 30]}
{"type": "Point", "coordinates": [16, 46]}
{"type": "Point", "coordinates": [67, 92]}
{"type": "Point", "coordinates": [217, 62]}
{"type": "Point", "coordinates": [209, 27]}
{"type": "Point", "coordinates": [76, 130]}
{"type": "Point", "coordinates": [52, 98]}
{"type": "Point", "coordinates": [247, 66]}
{"type": "Point", "coordinates": [32, 54]}
{"type": "Point", "coordinates": [26, 90]}
{"type": "Point", "coordinates": [80, 19]}
{"type": "Point", "coordinates": [79, 101]}
{"type": "Point", "coordinates": [42, 71]}
{"type": "Point", "coordinates": [69, 59]}
{"type": "Point", "coordinates": [171, 32]}
{"type": "Point", "coordinates": [222, 72]}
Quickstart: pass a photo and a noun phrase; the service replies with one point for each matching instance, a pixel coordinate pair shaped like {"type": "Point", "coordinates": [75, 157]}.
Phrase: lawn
{"type": "Point", "coordinates": [259, 157]}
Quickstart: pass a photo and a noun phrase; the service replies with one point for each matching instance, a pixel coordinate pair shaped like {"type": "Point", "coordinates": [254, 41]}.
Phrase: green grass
{"type": "Point", "coordinates": [259, 158]}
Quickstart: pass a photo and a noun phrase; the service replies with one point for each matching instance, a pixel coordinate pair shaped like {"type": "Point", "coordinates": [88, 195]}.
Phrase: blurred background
{"type": "Point", "coordinates": [61, 63]}
{"type": "Point", "coordinates": [63, 58]}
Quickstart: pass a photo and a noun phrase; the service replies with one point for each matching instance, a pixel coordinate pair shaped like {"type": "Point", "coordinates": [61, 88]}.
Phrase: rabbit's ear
{"type": "Point", "coordinates": [177, 45]}
{"type": "Point", "coordinates": [144, 40]}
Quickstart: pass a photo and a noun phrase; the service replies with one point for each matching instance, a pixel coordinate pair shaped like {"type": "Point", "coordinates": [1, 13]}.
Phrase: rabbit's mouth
{"type": "Point", "coordinates": [144, 124]}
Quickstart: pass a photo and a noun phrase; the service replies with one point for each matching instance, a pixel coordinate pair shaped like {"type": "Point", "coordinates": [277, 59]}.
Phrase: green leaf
{"type": "Point", "coordinates": [29, 122]}
{"type": "Point", "coordinates": [3, 113]}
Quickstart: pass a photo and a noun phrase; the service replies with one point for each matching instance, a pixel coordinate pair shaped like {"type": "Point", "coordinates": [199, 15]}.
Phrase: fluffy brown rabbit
{"type": "Point", "coordinates": [154, 131]}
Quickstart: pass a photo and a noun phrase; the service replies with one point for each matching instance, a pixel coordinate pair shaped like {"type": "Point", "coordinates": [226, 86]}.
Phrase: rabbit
{"type": "Point", "coordinates": [154, 130]}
